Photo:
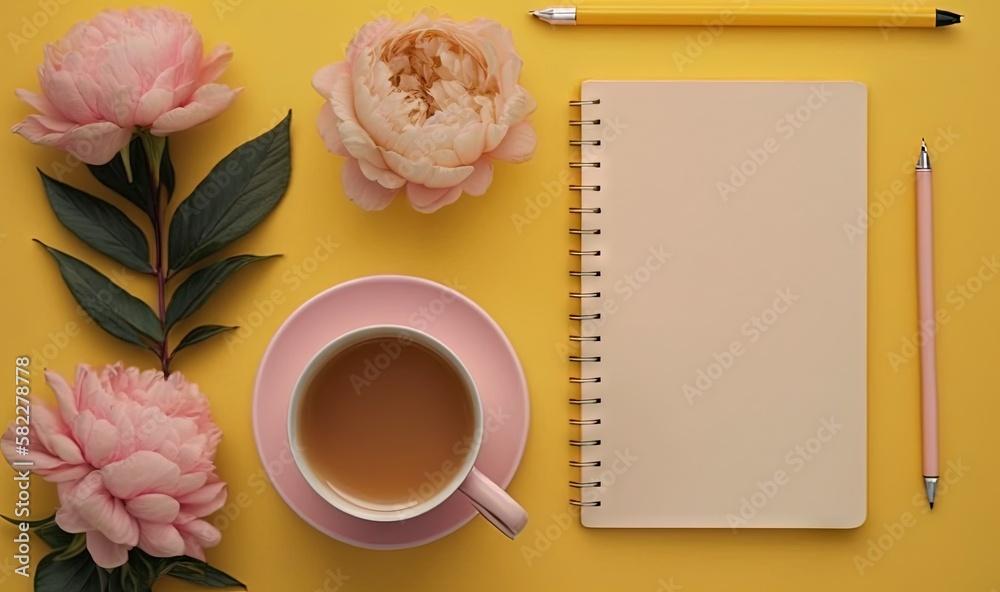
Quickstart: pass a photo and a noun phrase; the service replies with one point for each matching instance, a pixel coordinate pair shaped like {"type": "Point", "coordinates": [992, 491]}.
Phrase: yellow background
{"type": "Point", "coordinates": [921, 83]}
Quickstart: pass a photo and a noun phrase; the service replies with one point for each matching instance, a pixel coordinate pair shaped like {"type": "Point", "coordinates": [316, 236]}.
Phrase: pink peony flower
{"type": "Point", "coordinates": [124, 71]}
{"type": "Point", "coordinates": [132, 456]}
{"type": "Point", "coordinates": [426, 105]}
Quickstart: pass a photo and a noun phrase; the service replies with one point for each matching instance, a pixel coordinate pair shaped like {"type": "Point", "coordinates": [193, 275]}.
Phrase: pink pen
{"type": "Point", "coordinates": [928, 356]}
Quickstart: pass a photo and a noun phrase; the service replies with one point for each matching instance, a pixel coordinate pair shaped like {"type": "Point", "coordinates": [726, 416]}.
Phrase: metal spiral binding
{"type": "Point", "coordinates": [585, 163]}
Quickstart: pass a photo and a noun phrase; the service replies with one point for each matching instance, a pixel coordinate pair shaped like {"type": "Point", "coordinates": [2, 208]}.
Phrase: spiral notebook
{"type": "Point", "coordinates": [722, 320]}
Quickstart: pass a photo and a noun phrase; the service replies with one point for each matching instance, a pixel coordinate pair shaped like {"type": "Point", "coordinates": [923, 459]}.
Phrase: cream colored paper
{"type": "Point", "coordinates": [733, 304]}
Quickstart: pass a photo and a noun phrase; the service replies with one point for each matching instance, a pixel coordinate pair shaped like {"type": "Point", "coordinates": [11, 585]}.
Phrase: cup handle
{"type": "Point", "coordinates": [494, 503]}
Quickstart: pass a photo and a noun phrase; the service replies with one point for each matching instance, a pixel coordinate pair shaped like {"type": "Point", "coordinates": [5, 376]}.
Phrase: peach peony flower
{"type": "Point", "coordinates": [132, 456]}
{"type": "Point", "coordinates": [121, 72]}
{"type": "Point", "coordinates": [426, 105]}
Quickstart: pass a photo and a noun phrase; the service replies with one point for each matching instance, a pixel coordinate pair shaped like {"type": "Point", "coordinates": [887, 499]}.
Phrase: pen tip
{"type": "Point", "coordinates": [923, 145]}
{"type": "Point", "coordinates": [932, 505]}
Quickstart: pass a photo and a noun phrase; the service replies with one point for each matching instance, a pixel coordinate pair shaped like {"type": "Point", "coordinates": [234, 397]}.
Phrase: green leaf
{"type": "Point", "coordinates": [99, 224]}
{"type": "Point", "coordinates": [197, 289]}
{"type": "Point", "coordinates": [47, 530]}
{"type": "Point", "coordinates": [77, 546]}
{"type": "Point", "coordinates": [113, 176]}
{"type": "Point", "coordinates": [199, 334]}
{"type": "Point", "coordinates": [76, 574]}
{"type": "Point", "coordinates": [115, 310]}
{"type": "Point", "coordinates": [197, 571]}
{"type": "Point", "coordinates": [235, 196]}
{"type": "Point", "coordinates": [167, 178]}
{"type": "Point", "coordinates": [138, 574]}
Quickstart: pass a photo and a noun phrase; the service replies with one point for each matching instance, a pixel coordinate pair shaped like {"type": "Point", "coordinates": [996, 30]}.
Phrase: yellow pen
{"type": "Point", "coordinates": [752, 16]}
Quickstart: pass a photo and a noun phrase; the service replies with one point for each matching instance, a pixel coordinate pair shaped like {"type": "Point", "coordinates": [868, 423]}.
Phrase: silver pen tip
{"type": "Point", "coordinates": [930, 484]}
{"type": "Point", "coordinates": [923, 144]}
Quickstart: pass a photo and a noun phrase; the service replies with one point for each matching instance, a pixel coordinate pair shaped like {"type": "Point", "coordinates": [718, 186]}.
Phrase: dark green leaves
{"type": "Point", "coordinates": [197, 289]}
{"type": "Point", "coordinates": [69, 570]}
{"type": "Point", "coordinates": [76, 574]}
{"type": "Point", "coordinates": [167, 178]}
{"type": "Point", "coordinates": [199, 334]}
{"type": "Point", "coordinates": [194, 570]}
{"type": "Point", "coordinates": [99, 224]}
{"type": "Point", "coordinates": [140, 190]}
{"type": "Point", "coordinates": [47, 530]}
{"type": "Point", "coordinates": [235, 196]}
{"type": "Point", "coordinates": [238, 193]}
{"type": "Point", "coordinates": [115, 310]}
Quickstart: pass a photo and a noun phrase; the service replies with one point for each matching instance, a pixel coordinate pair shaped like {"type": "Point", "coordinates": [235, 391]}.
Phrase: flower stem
{"type": "Point", "coordinates": [161, 274]}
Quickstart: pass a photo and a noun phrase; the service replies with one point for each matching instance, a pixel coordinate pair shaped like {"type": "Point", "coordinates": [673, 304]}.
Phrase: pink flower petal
{"type": "Point", "coordinates": [53, 433]}
{"type": "Point", "coordinates": [98, 439]}
{"type": "Point", "coordinates": [448, 199]}
{"type": "Point", "coordinates": [326, 77]}
{"type": "Point", "coordinates": [215, 64]}
{"type": "Point", "coordinates": [153, 507]}
{"type": "Point", "coordinates": [95, 143]}
{"type": "Point", "coordinates": [470, 144]}
{"type": "Point", "coordinates": [45, 464]}
{"type": "Point", "coordinates": [358, 143]}
{"type": "Point", "coordinates": [383, 177]}
{"type": "Point", "coordinates": [65, 396]}
{"type": "Point", "coordinates": [61, 90]}
{"type": "Point", "coordinates": [518, 145]}
{"type": "Point", "coordinates": [95, 505]}
{"type": "Point", "coordinates": [70, 520]}
{"type": "Point", "coordinates": [152, 105]}
{"type": "Point", "coordinates": [368, 195]}
{"type": "Point", "coordinates": [160, 540]}
{"type": "Point", "coordinates": [142, 472]}
{"type": "Point", "coordinates": [40, 102]}
{"type": "Point", "coordinates": [420, 195]}
{"type": "Point", "coordinates": [207, 102]}
{"type": "Point", "coordinates": [482, 176]}
{"type": "Point", "coordinates": [427, 200]}
{"type": "Point", "coordinates": [327, 122]}
{"type": "Point", "coordinates": [203, 532]}
{"type": "Point", "coordinates": [205, 500]}
{"type": "Point", "coordinates": [66, 473]}
{"type": "Point", "coordinates": [106, 553]}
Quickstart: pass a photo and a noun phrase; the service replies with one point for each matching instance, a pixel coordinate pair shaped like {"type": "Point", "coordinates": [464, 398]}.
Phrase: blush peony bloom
{"type": "Point", "coordinates": [122, 72]}
{"type": "Point", "coordinates": [427, 106]}
{"type": "Point", "coordinates": [132, 456]}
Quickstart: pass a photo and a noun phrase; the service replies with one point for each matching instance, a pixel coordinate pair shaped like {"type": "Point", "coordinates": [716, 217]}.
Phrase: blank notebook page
{"type": "Point", "coordinates": [732, 304]}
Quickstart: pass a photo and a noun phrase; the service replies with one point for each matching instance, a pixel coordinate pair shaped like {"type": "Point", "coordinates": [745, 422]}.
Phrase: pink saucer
{"type": "Point", "coordinates": [400, 300]}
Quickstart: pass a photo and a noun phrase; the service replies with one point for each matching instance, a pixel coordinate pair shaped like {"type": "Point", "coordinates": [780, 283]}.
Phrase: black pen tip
{"type": "Point", "coordinates": [932, 505]}
{"type": "Point", "coordinates": [946, 17]}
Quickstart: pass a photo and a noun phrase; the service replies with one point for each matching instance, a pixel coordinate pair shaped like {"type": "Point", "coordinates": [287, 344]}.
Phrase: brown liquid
{"type": "Point", "coordinates": [386, 423]}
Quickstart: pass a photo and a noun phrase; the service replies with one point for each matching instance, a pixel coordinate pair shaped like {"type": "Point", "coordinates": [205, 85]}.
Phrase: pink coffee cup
{"type": "Point", "coordinates": [486, 497]}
